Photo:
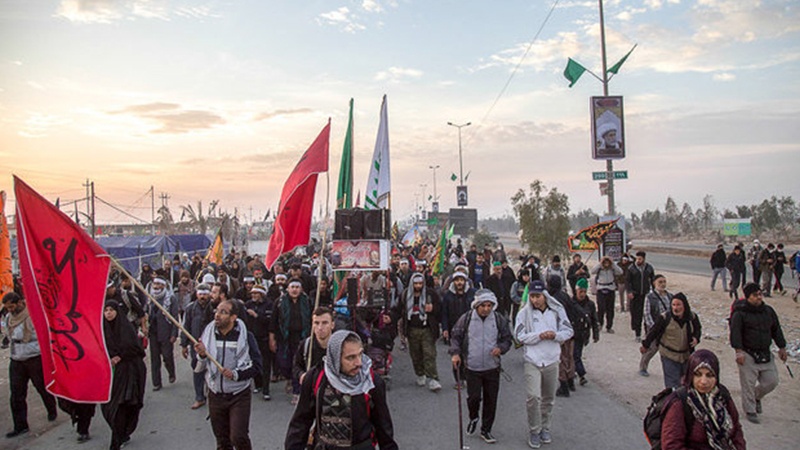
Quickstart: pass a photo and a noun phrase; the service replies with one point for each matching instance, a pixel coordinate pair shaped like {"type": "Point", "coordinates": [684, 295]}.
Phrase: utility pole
{"type": "Point", "coordinates": [609, 162]}
{"type": "Point", "coordinates": [152, 211]}
{"type": "Point", "coordinates": [88, 210]}
{"type": "Point", "coordinates": [164, 199]}
{"type": "Point", "coordinates": [94, 226]}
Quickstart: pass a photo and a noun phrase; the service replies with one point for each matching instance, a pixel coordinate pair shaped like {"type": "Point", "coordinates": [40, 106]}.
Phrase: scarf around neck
{"type": "Point", "coordinates": [711, 409]}
{"type": "Point", "coordinates": [21, 318]}
{"type": "Point", "coordinates": [360, 383]}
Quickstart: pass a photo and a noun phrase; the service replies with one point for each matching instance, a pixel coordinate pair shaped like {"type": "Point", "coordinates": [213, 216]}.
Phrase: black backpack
{"type": "Point", "coordinates": [658, 409]}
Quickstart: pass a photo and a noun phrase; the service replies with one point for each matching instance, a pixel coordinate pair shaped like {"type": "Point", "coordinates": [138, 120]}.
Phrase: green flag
{"type": "Point", "coordinates": [615, 68]}
{"type": "Point", "coordinates": [430, 197]}
{"type": "Point", "coordinates": [439, 256]}
{"type": "Point", "coordinates": [467, 177]}
{"type": "Point", "coordinates": [573, 71]}
{"type": "Point", "coordinates": [344, 193]}
{"type": "Point", "coordinates": [453, 177]}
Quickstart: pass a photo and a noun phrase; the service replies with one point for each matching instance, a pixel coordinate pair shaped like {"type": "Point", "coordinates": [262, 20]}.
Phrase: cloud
{"type": "Point", "coordinates": [172, 118]}
{"type": "Point", "coordinates": [281, 112]}
{"type": "Point", "coordinates": [541, 54]}
{"type": "Point", "coordinates": [109, 11]}
{"type": "Point", "coordinates": [38, 125]}
{"type": "Point", "coordinates": [341, 18]}
{"type": "Point", "coordinates": [724, 77]}
{"type": "Point", "coordinates": [397, 74]}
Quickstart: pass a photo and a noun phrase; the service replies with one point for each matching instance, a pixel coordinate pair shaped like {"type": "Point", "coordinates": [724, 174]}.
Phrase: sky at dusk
{"type": "Point", "coordinates": [215, 99]}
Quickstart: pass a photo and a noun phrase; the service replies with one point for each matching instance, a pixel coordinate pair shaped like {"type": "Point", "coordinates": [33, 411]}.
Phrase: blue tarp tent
{"type": "Point", "coordinates": [191, 243]}
{"type": "Point", "coordinates": [132, 251]}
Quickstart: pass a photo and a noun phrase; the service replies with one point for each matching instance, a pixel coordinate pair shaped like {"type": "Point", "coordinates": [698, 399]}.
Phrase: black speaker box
{"type": "Point", "coordinates": [348, 225]}
{"type": "Point", "coordinates": [377, 224]}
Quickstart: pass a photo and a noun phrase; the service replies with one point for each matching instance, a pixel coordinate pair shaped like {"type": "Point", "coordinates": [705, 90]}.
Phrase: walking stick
{"type": "Point", "coordinates": [461, 445]}
{"type": "Point", "coordinates": [164, 311]}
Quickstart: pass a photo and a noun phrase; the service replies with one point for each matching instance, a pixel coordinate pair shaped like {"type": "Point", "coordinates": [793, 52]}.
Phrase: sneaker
{"type": "Point", "coordinates": [583, 381]}
{"type": "Point", "coordinates": [752, 417]}
{"type": "Point", "coordinates": [546, 438]}
{"type": "Point", "coordinates": [83, 438]}
{"type": "Point", "coordinates": [267, 397]}
{"type": "Point", "coordinates": [534, 441]}
{"type": "Point", "coordinates": [472, 426]}
{"type": "Point", "coordinates": [156, 388]}
{"type": "Point", "coordinates": [434, 385]}
{"type": "Point", "coordinates": [171, 379]}
{"type": "Point", "coordinates": [643, 373]}
{"type": "Point", "coordinates": [421, 380]}
{"type": "Point", "coordinates": [758, 407]}
{"type": "Point", "coordinates": [295, 398]}
{"type": "Point", "coordinates": [638, 339]}
{"type": "Point", "coordinates": [609, 331]}
{"type": "Point", "coordinates": [51, 417]}
{"type": "Point", "coordinates": [15, 433]}
{"type": "Point", "coordinates": [256, 390]}
{"type": "Point", "coordinates": [571, 384]}
{"type": "Point", "coordinates": [487, 437]}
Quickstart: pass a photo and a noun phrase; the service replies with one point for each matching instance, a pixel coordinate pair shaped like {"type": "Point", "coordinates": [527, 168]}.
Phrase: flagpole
{"type": "Point", "coordinates": [163, 310]}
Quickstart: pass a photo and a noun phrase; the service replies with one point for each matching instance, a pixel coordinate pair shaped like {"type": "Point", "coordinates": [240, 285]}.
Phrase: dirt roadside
{"type": "Point", "coordinates": [613, 363]}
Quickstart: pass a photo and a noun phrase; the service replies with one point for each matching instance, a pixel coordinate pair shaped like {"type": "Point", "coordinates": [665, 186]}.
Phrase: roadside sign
{"type": "Point", "coordinates": [618, 175]}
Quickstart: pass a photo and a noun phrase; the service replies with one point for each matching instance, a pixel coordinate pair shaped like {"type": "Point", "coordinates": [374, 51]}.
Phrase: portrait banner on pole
{"type": "Point", "coordinates": [608, 128]}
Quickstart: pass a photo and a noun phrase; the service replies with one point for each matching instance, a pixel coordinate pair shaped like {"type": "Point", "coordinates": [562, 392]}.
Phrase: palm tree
{"type": "Point", "coordinates": [197, 221]}
{"type": "Point", "coordinates": [165, 222]}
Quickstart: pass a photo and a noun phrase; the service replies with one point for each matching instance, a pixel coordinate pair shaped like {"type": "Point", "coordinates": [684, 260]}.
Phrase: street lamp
{"type": "Point", "coordinates": [424, 199]}
{"type": "Point", "coordinates": [460, 162]}
{"type": "Point", "coordinates": [435, 197]}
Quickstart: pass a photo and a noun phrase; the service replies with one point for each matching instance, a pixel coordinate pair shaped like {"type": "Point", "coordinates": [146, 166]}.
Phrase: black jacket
{"type": "Point", "coordinates": [260, 325]}
{"type": "Point", "coordinates": [195, 319]}
{"type": "Point", "coordinates": [639, 282]}
{"type": "Point", "coordinates": [736, 263]}
{"type": "Point", "coordinates": [301, 356]}
{"type": "Point", "coordinates": [753, 328]}
{"type": "Point", "coordinates": [377, 421]}
{"type": "Point", "coordinates": [694, 329]}
{"type": "Point", "coordinates": [588, 318]}
{"type": "Point", "coordinates": [718, 259]}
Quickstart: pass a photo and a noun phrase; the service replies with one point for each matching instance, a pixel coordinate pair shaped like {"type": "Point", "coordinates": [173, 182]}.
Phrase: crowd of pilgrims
{"type": "Point", "coordinates": [281, 307]}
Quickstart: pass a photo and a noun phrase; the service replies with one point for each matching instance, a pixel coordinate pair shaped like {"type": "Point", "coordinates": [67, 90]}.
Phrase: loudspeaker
{"type": "Point", "coordinates": [377, 224]}
{"type": "Point", "coordinates": [352, 292]}
{"type": "Point", "coordinates": [348, 225]}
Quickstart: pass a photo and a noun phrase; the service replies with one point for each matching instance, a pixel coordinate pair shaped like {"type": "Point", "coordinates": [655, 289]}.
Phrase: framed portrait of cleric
{"type": "Point", "coordinates": [608, 128]}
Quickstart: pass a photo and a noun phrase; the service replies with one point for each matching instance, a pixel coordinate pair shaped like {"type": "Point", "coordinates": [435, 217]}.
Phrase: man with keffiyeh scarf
{"type": "Point", "coordinates": [344, 398]}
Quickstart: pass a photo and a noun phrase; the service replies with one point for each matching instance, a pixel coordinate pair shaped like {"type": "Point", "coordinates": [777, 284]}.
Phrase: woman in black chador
{"type": "Point", "coordinates": [127, 390]}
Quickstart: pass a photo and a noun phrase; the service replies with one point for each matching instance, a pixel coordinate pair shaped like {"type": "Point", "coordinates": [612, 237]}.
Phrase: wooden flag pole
{"type": "Point", "coordinates": [164, 310]}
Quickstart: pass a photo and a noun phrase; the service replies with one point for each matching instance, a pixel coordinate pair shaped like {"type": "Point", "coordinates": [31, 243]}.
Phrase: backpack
{"type": "Point", "coordinates": [658, 409]}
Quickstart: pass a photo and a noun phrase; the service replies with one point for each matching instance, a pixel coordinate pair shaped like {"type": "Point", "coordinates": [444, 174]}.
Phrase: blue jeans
{"type": "Point", "coordinates": [673, 372]}
{"type": "Point", "coordinates": [578, 355]}
{"type": "Point", "coordinates": [198, 379]}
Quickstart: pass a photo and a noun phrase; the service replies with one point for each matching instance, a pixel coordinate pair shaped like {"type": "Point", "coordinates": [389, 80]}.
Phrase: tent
{"type": "Point", "coordinates": [133, 251]}
{"type": "Point", "coordinates": [191, 243]}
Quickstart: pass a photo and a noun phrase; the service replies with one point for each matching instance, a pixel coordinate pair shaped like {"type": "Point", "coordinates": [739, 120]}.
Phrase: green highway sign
{"type": "Point", "coordinates": [618, 175]}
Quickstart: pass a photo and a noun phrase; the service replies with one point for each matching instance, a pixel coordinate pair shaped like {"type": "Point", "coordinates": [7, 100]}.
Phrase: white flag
{"type": "Point", "coordinates": [379, 183]}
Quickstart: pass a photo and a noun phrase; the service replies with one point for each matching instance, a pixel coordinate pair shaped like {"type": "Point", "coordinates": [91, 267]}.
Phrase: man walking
{"type": "Point", "coordinates": [718, 259]}
{"type": "Point", "coordinates": [478, 339]}
{"type": "Point", "coordinates": [604, 275]}
{"type": "Point", "coordinates": [229, 395]}
{"type": "Point", "coordinates": [317, 343]}
{"type": "Point", "coordinates": [766, 264]}
{"type": "Point", "coordinates": [456, 301]}
{"type": "Point", "coordinates": [258, 321]}
{"type": "Point", "coordinates": [25, 364]}
{"type": "Point", "coordinates": [291, 323]}
{"type": "Point", "coordinates": [639, 282]}
{"type": "Point", "coordinates": [163, 333]}
{"type": "Point", "coordinates": [345, 400]}
{"type": "Point", "coordinates": [196, 317]}
{"type": "Point", "coordinates": [541, 327]}
{"type": "Point", "coordinates": [736, 266]}
{"type": "Point", "coordinates": [754, 326]}
{"type": "Point", "coordinates": [420, 310]}
{"type": "Point", "coordinates": [657, 302]}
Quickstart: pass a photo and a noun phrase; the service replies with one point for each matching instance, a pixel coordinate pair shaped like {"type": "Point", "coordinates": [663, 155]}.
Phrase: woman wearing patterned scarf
{"type": "Point", "coordinates": [715, 421]}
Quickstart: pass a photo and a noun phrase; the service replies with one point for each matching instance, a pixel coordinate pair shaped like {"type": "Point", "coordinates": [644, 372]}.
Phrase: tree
{"type": "Point", "coordinates": [543, 218]}
{"type": "Point", "coordinates": [197, 221]}
{"type": "Point", "coordinates": [583, 219]}
{"type": "Point", "coordinates": [671, 217]}
{"type": "Point", "coordinates": [165, 221]}
{"type": "Point", "coordinates": [710, 212]}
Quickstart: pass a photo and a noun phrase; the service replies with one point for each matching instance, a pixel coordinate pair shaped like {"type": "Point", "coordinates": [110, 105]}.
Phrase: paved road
{"type": "Point", "coordinates": [423, 420]}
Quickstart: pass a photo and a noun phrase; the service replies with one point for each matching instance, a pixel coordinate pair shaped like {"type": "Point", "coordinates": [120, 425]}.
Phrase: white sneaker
{"type": "Point", "coordinates": [421, 380]}
{"type": "Point", "coordinates": [434, 385]}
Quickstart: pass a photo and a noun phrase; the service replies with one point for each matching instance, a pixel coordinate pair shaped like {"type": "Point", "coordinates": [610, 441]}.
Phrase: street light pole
{"type": "Point", "coordinates": [460, 161]}
{"type": "Point", "coordinates": [435, 197]}
{"type": "Point", "coordinates": [424, 199]}
{"type": "Point", "coordinates": [609, 162]}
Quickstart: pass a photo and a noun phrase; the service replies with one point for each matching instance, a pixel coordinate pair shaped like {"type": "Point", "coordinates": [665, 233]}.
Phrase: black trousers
{"type": "Point", "coordinates": [19, 373]}
{"type": "Point", "coordinates": [605, 308]}
{"type": "Point", "coordinates": [267, 356]}
{"type": "Point", "coordinates": [230, 419]}
{"type": "Point", "coordinates": [637, 313]}
{"type": "Point", "coordinates": [159, 351]}
{"type": "Point", "coordinates": [125, 422]}
{"type": "Point", "coordinates": [487, 385]}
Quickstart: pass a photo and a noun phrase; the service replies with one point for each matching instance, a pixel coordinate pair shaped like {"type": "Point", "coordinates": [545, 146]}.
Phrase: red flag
{"type": "Point", "coordinates": [293, 224]}
{"type": "Point", "coordinates": [64, 276]}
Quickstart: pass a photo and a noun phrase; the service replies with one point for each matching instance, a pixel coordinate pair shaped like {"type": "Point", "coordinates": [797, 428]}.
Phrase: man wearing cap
{"type": "Point", "coordinates": [25, 364]}
{"type": "Point", "coordinates": [541, 327]}
{"type": "Point", "coordinates": [582, 328]}
{"type": "Point", "coordinates": [258, 320]}
{"type": "Point", "coordinates": [754, 326]}
{"type": "Point", "coordinates": [291, 323]}
{"type": "Point", "coordinates": [456, 301]}
{"type": "Point", "coordinates": [162, 333]}
{"type": "Point", "coordinates": [345, 400]}
{"type": "Point", "coordinates": [420, 309]}
{"type": "Point", "coordinates": [478, 339]}
{"type": "Point", "coordinates": [639, 281]}
{"type": "Point", "coordinates": [576, 271]}
{"type": "Point", "coordinates": [247, 287]}
{"type": "Point", "coordinates": [555, 269]}
{"type": "Point", "coordinates": [197, 316]}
